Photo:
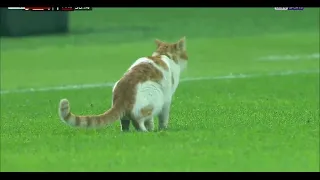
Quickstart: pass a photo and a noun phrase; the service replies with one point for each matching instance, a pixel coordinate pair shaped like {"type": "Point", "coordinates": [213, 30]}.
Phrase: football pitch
{"type": "Point", "coordinates": [248, 100]}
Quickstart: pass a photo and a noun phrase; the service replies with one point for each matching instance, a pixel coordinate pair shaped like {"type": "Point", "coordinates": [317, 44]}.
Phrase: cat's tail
{"type": "Point", "coordinates": [92, 121]}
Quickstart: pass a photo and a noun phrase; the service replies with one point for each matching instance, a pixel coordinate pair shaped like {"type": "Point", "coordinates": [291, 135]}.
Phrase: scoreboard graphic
{"type": "Point", "coordinates": [51, 8]}
{"type": "Point", "coordinates": [289, 8]}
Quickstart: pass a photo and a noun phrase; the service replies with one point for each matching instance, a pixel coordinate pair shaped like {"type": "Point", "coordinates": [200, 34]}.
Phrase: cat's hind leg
{"type": "Point", "coordinates": [149, 124]}
{"type": "Point", "coordinates": [164, 117]}
{"type": "Point", "coordinates": [125, 124]}
{"type": "Point", "coordinates": [139, 125]}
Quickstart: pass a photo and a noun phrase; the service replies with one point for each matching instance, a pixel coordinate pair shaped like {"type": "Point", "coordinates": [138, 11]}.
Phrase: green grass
{"type": "Point", "coordinates": [265, 123]}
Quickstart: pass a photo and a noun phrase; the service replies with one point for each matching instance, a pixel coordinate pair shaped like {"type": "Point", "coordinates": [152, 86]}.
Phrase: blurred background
{"type": "Point", "coordinates": [120, 35]}
{"type": "Point", "coordinates": [120, 25]}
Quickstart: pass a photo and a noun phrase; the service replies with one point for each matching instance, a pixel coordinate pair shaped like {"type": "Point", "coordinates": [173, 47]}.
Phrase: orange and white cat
{"type": "Point", "coordinates": [145, 91]}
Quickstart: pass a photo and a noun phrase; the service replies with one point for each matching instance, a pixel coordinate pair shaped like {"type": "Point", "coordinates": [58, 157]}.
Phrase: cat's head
{"type": "Point", "coordinates": [177, 51]}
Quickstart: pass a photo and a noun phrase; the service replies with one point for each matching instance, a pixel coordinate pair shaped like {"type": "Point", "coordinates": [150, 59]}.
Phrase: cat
{"type": "Point", "coordinates": [144, 91]}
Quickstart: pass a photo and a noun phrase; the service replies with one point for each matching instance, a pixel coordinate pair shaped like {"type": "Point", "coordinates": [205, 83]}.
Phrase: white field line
{"type": "Point", "coordinates": [314, 56]}
{"type": "Point", "coordinates": [110, 84]}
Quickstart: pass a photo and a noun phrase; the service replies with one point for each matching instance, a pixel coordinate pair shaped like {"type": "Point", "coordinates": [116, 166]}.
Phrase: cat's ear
{"type": "Point", "coordinates": [158, 42]}
{"type": "Point", "coordinates": [181, 44]}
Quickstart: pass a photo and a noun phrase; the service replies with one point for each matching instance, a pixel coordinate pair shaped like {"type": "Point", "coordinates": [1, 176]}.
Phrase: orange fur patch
{"type": "Point", "coordinates": [184, 56]}
{"type": "Point", "coordinates": [146, 111]}
{"type": "Point", "coordinates": [88, 120]}
{"type": "Point", "coordinates": [158, 61]}
{"type": "Point", "coordinates": [78, 121]}
{"type": "Point", "coordinates": [174, 51]}
{"type": "Point", "coordinates": [125, 92]}
{"type": "Point", "coordinates": [174, 58]}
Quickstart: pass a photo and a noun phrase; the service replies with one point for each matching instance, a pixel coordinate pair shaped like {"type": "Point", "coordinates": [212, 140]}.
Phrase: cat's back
{"type": "Point", "coordinates": [150, 68]}
{"type": "Point", "coordinates": [145, 76]}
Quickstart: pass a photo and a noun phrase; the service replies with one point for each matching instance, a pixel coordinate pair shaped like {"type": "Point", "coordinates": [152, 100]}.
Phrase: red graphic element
{"type": "Point", "coordinates": [37, 8]}
{"type": "Point", "coordinates": [67, 8]}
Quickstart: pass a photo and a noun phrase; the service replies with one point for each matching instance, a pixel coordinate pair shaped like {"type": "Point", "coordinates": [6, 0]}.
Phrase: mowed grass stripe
{"type": "Point", "coordinates": [249, 124]}
{"type": "Point", "coordinates": [110, 84]}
